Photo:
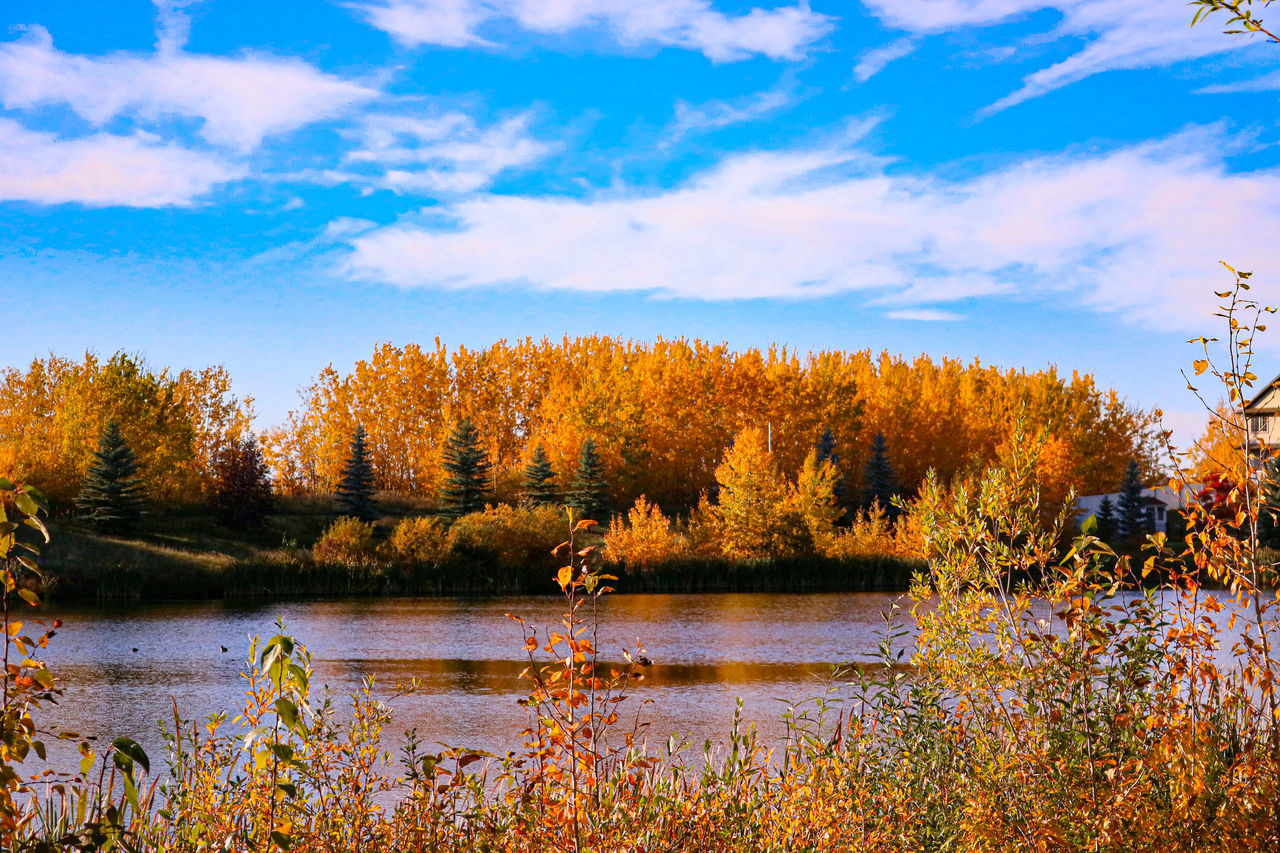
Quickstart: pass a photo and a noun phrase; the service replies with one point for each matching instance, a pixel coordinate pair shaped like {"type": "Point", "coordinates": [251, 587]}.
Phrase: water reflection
{"type": "Point", "coordinates": [708, 650]}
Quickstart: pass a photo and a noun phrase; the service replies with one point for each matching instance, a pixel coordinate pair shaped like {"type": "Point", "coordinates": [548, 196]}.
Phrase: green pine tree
{"type": "Point", "coordinates": [589, 492]}
{"type": "Point", "coordinates": [355, 491]}
{"type": "Point", "coordinates": [467, 464]}
{"type": "Point", "coordinates": [539, 486]}
{"type": "Point", "coordinates": [879, 482]}
{"type": "Point", "coordinates": [1132, 522]}
{"type": "Point", "coordinates": [1269, 516]}
{"type": "Point", "coordinates": [1106, 519]}
{"type": "Point", "coordinates": [111, 498]}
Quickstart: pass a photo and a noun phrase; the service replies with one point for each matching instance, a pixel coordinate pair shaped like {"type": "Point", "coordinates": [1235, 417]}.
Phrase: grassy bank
{"type": "Point", "coordinates": [186, 555]}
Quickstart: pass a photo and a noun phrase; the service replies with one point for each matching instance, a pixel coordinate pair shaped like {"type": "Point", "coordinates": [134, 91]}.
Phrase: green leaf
{"type": "Point", "coordinates": [288, 712]}
{"type": "Point", "coordinates": [281, 839]}
{"type": "Point", "coordinates": [282, 751]}
{"type": "Point", "coordinates": [26, 503]}
{"type": "Point", "coordinates": [1090, 526]}
{"type": "Point", "coordinates": [127, 751]}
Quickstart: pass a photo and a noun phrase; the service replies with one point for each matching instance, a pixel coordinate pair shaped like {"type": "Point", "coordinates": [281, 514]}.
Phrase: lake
{"type": "Point", "coordinates": [122, 667]}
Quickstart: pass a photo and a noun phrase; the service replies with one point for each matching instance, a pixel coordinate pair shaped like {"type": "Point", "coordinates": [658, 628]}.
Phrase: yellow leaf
{"type": "Point", "coordinates": [1201, 365]}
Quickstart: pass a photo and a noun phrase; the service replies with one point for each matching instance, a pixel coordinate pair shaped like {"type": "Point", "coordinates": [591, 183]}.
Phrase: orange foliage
{"type": "Point", "coordinates": [644, 539]}
{"type": "Point", "coordinates": [661, 414]}
{"type": "Point", "coordinates": [52, 414]}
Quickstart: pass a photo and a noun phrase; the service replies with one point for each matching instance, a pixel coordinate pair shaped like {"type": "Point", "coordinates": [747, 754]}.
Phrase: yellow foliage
{"type": "Point", "coordinates": [348, 541]}
{"type": "Point", "coordinates": [52, 414]}
{"type": "Point", "coordinates": [661, 413]}
{"type": "Point", "coordinates": [514, 536]}
{"type": "Point", "coordinates": [644, 539]}
{"type": "Point", "coordinates": [872, 533]}
{"type": "Point", "coordinates": [759, 510]}
{"type": "Point", "coordinates": [418, 541]}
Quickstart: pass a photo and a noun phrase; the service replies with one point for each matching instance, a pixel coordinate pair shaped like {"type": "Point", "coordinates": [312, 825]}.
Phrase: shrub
{"type": "Point", "coordinates": [645, 539]}
{"type": "Point", "coordinates": [872, 533]}
{"type": "Point", "coordinates": [348, 541]}
{"type": "Point", "coordinates": [418, 541]}
{"type": "Point", "coordinates": [511, 536]}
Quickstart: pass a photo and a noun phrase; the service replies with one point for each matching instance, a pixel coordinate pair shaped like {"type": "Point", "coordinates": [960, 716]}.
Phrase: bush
{"type": "Point", "coordinates": [645, 539]}
{"type": "Point", "coordinates": [512, 537]}
{"type": "Point", "coordinates": [418, 541]}
{"type": "Point", "coordinates": [348, 541]}
{"type": "Point", "coordinates": [872, 533]}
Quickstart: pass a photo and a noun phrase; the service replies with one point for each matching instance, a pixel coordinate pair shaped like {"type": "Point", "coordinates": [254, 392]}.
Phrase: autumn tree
{"type": "Point", "coordinates": [242, 495]}
{"type": "Point", "coordinates": [760, 518]}
{"type": "Point", "coordinates": [589, 491]}
{"type": "Point", "coordinates": [53, 411]}
{"type": "Point", "coordinates": [879, 481]}
{"type": "Point", "coordinates": [111, 499]}
{"type": "Point", "coordinates": [468, 470]}
{"type": "Point", "coordinates": [355, 489]}
{"type": "Point", "coordinates": [1132, 521]}
{"type": "Point", "coordinates": [815, 495]}
{"type": "Point", "coordinates": [826, 452]}
{"type": "Point", "coordinates": [538, 486]}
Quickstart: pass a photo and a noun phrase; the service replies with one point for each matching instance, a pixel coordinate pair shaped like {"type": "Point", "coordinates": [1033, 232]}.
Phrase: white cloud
{"type": "Point", "coordinates": [1119, 34]}
{"type": "Point", "coordinates": [1137, 231]}
{"type": "Point", "coordinates": [446, 153]}
{"type": "Point", "coordinates": [874, 61]}
{"type": "Point", "coordinates": [712, 115]}
{"type": "Point", "coordinates": [925, 315]}
{"type": "Point", "coordinates": [781, 33]}
{"type": "Point", "coordinates": [239, 100]}
{"type": "Point", "coordinates": [104, 170]}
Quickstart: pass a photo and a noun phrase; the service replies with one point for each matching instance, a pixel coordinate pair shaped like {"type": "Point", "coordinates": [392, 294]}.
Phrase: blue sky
{"type": "Point", "coordinates": [279, 186]}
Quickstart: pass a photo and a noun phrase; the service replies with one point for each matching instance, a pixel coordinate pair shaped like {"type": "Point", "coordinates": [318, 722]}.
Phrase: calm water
{"type": "Point", "coordinates": [123, 667]}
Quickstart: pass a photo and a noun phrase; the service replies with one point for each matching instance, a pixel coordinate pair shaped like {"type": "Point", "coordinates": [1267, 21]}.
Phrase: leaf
{"type": "Point", "coordinates": [564, 576]}
{"type": "Point", "coordinates": [1201, 365]}
{"type": "Point", "coordinates": [126, 752]}
{"type": "Point", "coordinates": [287, 711]}
{"type": "Point", "coordinates": [27, 595]}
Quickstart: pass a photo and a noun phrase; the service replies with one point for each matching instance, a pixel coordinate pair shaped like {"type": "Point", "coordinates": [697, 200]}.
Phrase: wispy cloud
{"type": "Point", "coordinates": [925, 315]}
{"type": "Point", "coordinates": [448, 153]}
{"type": "Point", "coordinates": [237, 100]}
{"type": "Point", "coordinates": [1137, 230]}
{"type": "Point", "coordinates": [104, 170]}
{"type": "Point", "coordinates": [782, 33]}
{"type": "Point", "coordinates": [713, 115]}
{"type": "Point", "coordinates": [874, 61]}
{"type": "Point", "coordinates": [1119, 34]}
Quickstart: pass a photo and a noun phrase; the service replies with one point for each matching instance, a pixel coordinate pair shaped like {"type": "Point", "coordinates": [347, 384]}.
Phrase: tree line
{"type": "Point", "coordinates": [657, 417]}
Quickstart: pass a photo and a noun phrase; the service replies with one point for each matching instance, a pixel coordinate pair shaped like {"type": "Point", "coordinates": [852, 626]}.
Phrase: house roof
{"type": "Point", "coordinates": [1267, 398]}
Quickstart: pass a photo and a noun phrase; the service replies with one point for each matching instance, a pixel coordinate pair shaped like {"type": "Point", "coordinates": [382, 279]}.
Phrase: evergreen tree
{"type": "Point", "coordinates": [242, 494]}
{"type": "Point", "coordinates": [539, 487]}
{"type": "Point", "coordinates": [355, 491]}
{"type": "Point", "coordinates": [879, 482]}
{"type": "Point", "coordinates": [467, 464]}
{"type": "Point", "coordinates": [826, 450]}
{"type": "Point", "coordinates": [111, 498]}
{"type": "Point", "coordinates": [1106, 519]}
{"type": "Point", "coordinates": [1133, 514]}
{"type": "Point", "coordinates": [589, 491]}
{"type": "Point", "coordinates": [1269, 516]}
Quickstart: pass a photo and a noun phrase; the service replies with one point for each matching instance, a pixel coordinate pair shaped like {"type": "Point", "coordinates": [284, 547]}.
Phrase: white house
{"type": "Point", "coordinates": [1157, 502]}
{"type": "Point", "coordinates": [1262, 415]}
